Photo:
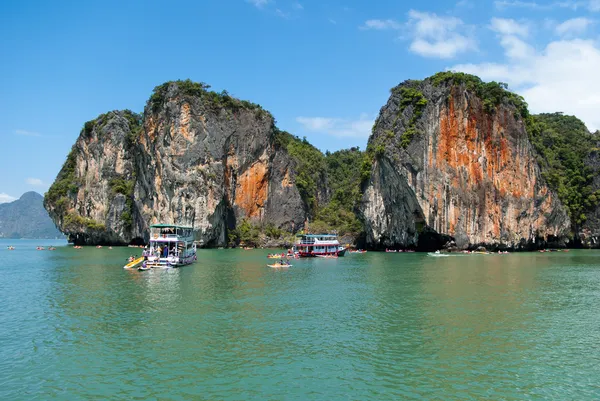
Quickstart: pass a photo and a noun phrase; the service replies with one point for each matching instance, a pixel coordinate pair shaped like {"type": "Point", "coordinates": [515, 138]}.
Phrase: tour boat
{"type": "Point", "coordinates": [311, 245]}
{"type": "Point", "coordinates": [170, 246]}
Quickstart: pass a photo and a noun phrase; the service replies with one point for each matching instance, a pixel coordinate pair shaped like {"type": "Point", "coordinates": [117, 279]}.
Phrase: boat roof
{"type": "Point", "coordinates": [317, 235]}
{"type": "Point", "coordinates": [168, 226]}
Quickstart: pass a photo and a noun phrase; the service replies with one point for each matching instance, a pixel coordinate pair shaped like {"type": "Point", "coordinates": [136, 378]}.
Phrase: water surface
{"type": "Point", "coordinates": [75, 325]}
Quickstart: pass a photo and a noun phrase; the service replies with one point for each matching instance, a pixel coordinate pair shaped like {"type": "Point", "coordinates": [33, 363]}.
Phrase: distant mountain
{"type": "Point", "coordinates": [26, 218]}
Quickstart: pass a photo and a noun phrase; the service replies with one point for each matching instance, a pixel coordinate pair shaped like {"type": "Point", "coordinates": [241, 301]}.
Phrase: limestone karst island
{"type": "Point", "coordinates": [452, 162]}
{"type": "Point", "coordinates": [300, 200]}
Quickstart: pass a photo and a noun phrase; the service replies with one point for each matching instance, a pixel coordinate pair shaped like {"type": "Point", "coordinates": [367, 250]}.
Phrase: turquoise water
{"type": "Point", "coordinates": [75, 325]}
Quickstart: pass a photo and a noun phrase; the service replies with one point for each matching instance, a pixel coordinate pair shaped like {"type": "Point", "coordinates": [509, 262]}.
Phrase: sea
{"type": "Point", "coordinates": [75, 325]}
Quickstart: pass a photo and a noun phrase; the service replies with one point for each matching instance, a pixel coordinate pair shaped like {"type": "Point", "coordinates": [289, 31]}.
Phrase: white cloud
{"type": "Point", "coordinates": [5, 198]}
{"type": "Point", "coordinates": [258, 3]}
{"type": "Point", "coordinates": [331, 20]}
{"type": "Point", "coordinates": [563, 76]}
{"type": "Point", "coordinates": [23, 132]}
{"type": "Point", "coordinates": [501, 5]}
{"type": "Point", "coordinates": [516, 48]}
{"type": "Point", "coordinates": [34, 181]}
{"type": "Point", "coordinates": [509, 27]}
{"type": "Point", "coordinates": [298, 6]}
{"type": "Point", "coordinates": [438, 36]}
{"type": "Point", "coordinates": [380, 25]}
{"type": "Point", "coordinates": [510, 33]}
{"type": "Point", "coordinates": [574, 26]}
{"type": "Point", "coordinates": [591, 5]}
{"type": "Point", "coordinates": [339, 127]}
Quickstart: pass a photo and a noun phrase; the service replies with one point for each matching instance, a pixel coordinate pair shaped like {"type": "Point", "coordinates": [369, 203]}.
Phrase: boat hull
{"type": "Point", "coordinates": [321, 254]}
{"type": "Point", "coordinates": [171, 262]}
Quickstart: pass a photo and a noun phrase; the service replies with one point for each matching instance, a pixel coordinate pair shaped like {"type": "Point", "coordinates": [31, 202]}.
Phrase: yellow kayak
{"type": "Point", "coordinates": [134, 263]}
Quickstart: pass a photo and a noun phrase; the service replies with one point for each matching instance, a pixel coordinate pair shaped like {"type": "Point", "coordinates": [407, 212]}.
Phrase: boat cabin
{"type": "Point", "coordinates": [318, 244]}
{"type": "Point", "coordinates": [171, 244]}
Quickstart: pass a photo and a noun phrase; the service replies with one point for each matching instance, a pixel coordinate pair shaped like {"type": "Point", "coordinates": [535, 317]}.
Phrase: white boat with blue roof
{"type": "Point", "coordinates": [170, 246]}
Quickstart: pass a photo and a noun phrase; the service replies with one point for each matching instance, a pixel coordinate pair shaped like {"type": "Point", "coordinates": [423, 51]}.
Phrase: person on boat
{"type": "Point", "coordinates": [165, 251]}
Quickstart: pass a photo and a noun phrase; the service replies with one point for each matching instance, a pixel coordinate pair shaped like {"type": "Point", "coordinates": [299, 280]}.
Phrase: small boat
{"type": "Point", "coordinates": [278, 265]}
{"type": "Point", "coordinates": [144, 268]}
{"type": "Point", "coordinates": [40, 248]}
{"type": "Point", "coordinates": [134, 263]}
{"type": "Point", "coordinates": [311, 245]}
{"type": "Point", "coordinates": [276, 256]}
{"type": "Point", "coordinates": [11, 248]}
{"type": "Point", "coordinates": [326, 256]}
{"type": "Point", "coordinates": [437, 254]}
{"type": "Point", "coordinates": [170, 246]}
{"type": "Point", "coordinates": [358, 251]}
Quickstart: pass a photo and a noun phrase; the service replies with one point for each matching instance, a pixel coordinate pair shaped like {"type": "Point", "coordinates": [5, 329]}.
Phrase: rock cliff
{"type": "Point", "coordinates": [451, 161]}
{"type": "Point", "coordinates": [195, 157]}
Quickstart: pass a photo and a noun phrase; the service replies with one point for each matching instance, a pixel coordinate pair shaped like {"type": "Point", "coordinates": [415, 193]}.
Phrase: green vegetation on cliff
{"type": "Point", "coordinates": [344, 178]}
{"type": "Point", "coordinates": [119, 185]}
{"type": "Point", "coordinates": [255, 235]}
{"type": "Point", "coordinates": [74, 222]}
{"type": "Point", "coordinates": [311, 168]}
{"type": "Point", "coordinates": [64, 185]}
{"type": "Point", "coordinates": [411, 96]}
{"type": "Point", "coordinates": [134, 120]}
{"type": "Point", "coordinates": [340, 171]}
{"type": "Point", "coordinates": [492, 93]}
{"type": "Point", "coordinates": [563, 144]}
{"type": "Point", "coordinates": [216, 100]}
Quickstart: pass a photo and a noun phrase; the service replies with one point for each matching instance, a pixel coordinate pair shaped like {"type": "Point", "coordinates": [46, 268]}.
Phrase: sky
{"type": "Point", "coordinates": [323, 68]}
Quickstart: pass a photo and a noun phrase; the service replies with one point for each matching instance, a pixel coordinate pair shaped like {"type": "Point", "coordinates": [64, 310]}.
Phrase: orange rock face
{"type": "Point", "coordinates": [472, 173]}
{"type": "Point", "coordinates": [251, 189]}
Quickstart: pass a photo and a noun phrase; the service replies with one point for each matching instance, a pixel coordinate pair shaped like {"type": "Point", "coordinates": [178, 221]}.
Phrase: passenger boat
{"type": "Point", "coordinates": [170, 246]}
{"type": "Point", "coordinates": [311, 245]}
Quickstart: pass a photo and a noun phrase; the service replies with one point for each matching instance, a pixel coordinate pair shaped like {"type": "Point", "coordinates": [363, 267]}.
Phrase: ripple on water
{"type": "Point", "coordinates": [75, 325]}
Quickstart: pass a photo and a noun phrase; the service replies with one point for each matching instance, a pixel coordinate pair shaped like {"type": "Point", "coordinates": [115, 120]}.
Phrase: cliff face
{"type": "Point", "coordinates": [451, 164]}
{"type": "Point", "coordinates": [196, 158]}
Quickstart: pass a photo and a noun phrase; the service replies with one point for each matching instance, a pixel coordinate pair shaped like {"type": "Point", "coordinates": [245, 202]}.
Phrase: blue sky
{"type": "Point", "coordinates": [323, 68]}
